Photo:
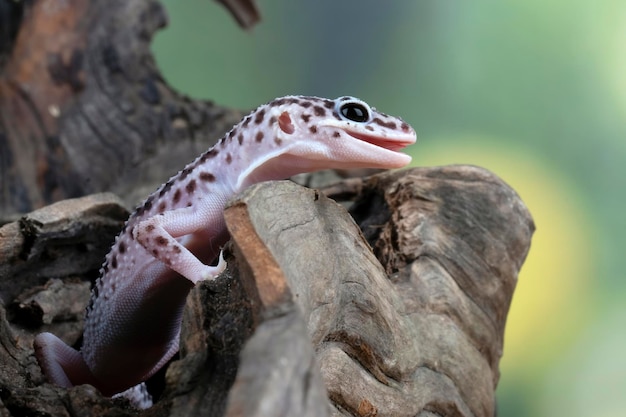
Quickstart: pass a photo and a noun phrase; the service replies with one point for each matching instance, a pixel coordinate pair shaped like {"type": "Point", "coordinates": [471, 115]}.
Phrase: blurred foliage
{"type": "Point", "coordinates": [534, 91]}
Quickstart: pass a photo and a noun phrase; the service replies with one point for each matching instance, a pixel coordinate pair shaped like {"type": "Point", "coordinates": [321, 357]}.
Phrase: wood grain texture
{"type": "Point", "coordinates": [308, 319]}
{"type": "Point", "coordinates": [84, 109]}
{"type": "Point", "coordinates": [62, 239]}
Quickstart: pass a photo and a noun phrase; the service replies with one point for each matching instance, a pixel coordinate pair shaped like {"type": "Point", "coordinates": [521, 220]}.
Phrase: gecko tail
{"type": "Point", "coordinates": [65, 366]}
{"type": "Point", "coordinates": [60, 363]}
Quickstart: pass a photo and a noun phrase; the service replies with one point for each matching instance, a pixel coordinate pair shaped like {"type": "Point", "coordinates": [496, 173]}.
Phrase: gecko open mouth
{"type": "Point", "coordinates": [386, 143]}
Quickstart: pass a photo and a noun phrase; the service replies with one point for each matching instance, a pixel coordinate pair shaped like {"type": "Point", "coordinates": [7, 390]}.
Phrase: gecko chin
{"type": "Point", "coordinates": [389, 144]}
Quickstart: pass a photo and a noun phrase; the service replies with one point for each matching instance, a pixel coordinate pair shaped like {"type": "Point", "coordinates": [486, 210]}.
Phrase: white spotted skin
{"type": "Point", "coordinates": [133, 320]}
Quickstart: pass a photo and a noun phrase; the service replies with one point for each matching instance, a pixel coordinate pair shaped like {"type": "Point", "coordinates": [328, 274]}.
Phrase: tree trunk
{"type": "Point", "coordinates": [83, 108]}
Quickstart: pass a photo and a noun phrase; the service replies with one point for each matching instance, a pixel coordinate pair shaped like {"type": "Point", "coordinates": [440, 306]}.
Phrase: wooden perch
{"type": "Point", "coordinates": [307, 321]}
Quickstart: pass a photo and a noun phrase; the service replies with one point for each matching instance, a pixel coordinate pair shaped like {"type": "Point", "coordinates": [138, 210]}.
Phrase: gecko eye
{"type": "Point", "coordinates": [355, 111]}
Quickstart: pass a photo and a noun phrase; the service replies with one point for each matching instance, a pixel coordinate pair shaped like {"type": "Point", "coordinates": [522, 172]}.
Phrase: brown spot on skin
{"type": "Point", "coordinates": [240, 138]}
{"type": "Point", "coordinates": [232, 133]}
{"type": "Point", "coordinates": [149, 228]}
{"type": "Point", "coordinates": [191, 186]}
{"type": "Point", "coordinates": [278, 102]}
{"type": "Point", "coordinates": [165, 188]}
{"type": "Point", "coordinates": [246, 122]}
{"type": "Point", "coordinates": [306, 104]}
{"type": "Point", "coordinates": [278, 140]}
{"type": "Point", "coordinates": [390, 125]}
{"type": "Point", "coordinates": [184, 173]}
{"type": "Point", "coordinates": [313, 129]}
{"type": "Point", "coordinates": [272, 120]}
{"type": "Point", "coordinates": [114, 262]}
{"type": "Point", "coordinates": [336, 134]}
{"type": "Point", "coordinates": [161, 241]}
{"type": "Point", "coordinates": [306, 118]}
{"type": "Point", "coordinates": [319, 111]}
{"type": "Point", "coordinates": [211, 153]}
{"type": "Point", "coordinates": [155, 253]}
{"type": "Point", "coordinates": [162, 207]}
{"type": "Point", "coordinates": [229, 158]}
{"type": "Point", "coordinates": [176, 197]}
{"type": "Point", "coordinates": [259, 136]}
{"type": "Point", "coordinates": [404, 127]}
{"type": "Point", "coordinates": [207, 177]}
{"type": "Point", "coordinates": [329, 104]}
{"type": "Point", "coordinates": [148, 204]}
{"type": "Point", "coordinates": [259, 116]}
{"type": "Point", "coordinates": [176, 249]}
{"type": "Point", "coordinates": [370, 128]}
{"type": "Point", "coordinates": [285, 124]}
{"type": "Point", "coordinates": [122, 247]}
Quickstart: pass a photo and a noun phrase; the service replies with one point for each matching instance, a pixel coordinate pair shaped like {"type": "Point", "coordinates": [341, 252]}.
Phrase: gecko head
{"type": "Point", "coordinates": [297, 134]}
{"type": "Point", "coordinates": [348, 133]}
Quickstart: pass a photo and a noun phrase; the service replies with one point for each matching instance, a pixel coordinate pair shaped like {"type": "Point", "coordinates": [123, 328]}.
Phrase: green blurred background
{"type": "Point", "coordinates": [533, 90]}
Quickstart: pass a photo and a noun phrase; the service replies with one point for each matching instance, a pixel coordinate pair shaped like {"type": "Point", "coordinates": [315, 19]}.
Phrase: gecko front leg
{"type": "Point", "coordinates": [158, 235]}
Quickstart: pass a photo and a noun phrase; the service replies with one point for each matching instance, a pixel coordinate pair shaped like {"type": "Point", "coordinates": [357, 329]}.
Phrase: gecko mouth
{"type": "Point", "coordinates": [390, 144]}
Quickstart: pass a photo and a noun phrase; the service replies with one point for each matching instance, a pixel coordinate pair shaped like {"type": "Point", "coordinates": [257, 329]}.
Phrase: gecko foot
{"type": "Point", "coordinates": [212, 272]}
{"type": "Point", "coordinates": [221, 263]}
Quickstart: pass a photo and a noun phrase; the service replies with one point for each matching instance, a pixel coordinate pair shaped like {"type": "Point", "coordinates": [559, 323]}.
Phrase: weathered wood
{"type": "Point", "coordinates": [64, 239]}
{"type": "Point", "coordinates": [283, 379]}
{"type": "Point", "coordinates": [64, 243]}
{"type": "Point", "coordinates": [425, 339]}
{"type": "Point", "coordinates": [469, 222]}
{"type": "Point", "coordinates": [83, 108]}
{"type": "Point", "coordinates": [453, 240]}
{"type": "Point", "coordinates": [306, 320]}
{"type": "Point", "coordinates": [453, 243]}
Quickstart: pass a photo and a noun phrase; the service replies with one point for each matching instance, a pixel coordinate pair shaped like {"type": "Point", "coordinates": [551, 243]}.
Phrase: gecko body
{"type": "Point", "coordinates": [133, 320]}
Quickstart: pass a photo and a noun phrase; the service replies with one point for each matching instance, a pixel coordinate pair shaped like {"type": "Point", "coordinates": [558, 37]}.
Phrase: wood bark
{"type": "Point", "coordinates": [307, 319]}
{"type": "Point", "coordinates": [84, 109]}
{"type": "Point", "coordinates": [394, 307]}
